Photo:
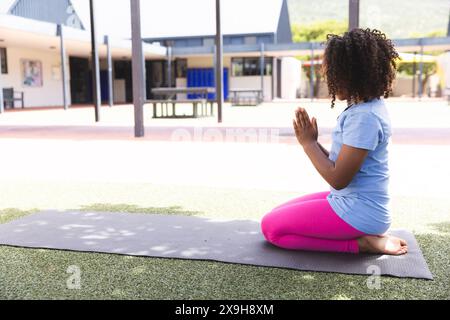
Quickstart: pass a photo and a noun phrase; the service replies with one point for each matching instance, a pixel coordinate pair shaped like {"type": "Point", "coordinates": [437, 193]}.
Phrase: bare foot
{"type": "Point", "coordinates": [384, 244]}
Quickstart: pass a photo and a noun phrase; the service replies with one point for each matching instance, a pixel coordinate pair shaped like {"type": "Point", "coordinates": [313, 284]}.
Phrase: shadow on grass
{"type": "Point", "coordinates": [131, 208]}
{"type": "Point", "coordinates": [435, 246]}
{"type": "Point", "coordinates": [148, 278]}
{"type": "Point", "coordinates": [10, 214]}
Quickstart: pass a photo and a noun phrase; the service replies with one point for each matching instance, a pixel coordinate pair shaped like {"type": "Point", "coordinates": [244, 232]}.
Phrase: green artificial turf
{"type": "Point", "coordinates": [42, 274]}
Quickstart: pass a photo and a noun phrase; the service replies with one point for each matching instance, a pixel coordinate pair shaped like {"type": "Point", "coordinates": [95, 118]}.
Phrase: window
{"type": "Point", "coordinates": [195, 42]}
{"type": "Point", "coordinates": [237, 67]}
{"type": "Point", "coordinates": [234, 40]}
{"type": "Point", "coordinates": [264, 39]}
{"type": "Point", "coordinates": [181, 68]}
{"type": "Point", "coordinates": [3, 61]}
{"type": "Point", "coordinates": [250, 40]}
{"type": "Point", "coordinates": [250, 67]}
{"type": "Point", "coordinates": [180, 43]}
{"type": "Point", "coordinates": [209, 42]}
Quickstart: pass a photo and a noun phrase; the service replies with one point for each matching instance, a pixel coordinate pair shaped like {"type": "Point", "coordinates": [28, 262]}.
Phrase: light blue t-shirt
{"type": "Point", "coordinates": [364, 203]}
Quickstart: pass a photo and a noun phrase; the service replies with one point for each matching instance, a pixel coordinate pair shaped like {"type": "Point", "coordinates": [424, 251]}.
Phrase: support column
{"type": "Point", "coordinates": [95, 64]}
{"type": "Point", "coordinates": [219, 62]}
{"type": "Point", "coordinates": [421, 70]}
{"type": "Point", "coordinates": [63, 66]}
{"type": "Point", "coordinates": [2, 106]}
{"type": "Point", "coordinates": [138, 68]}
{"type": "Point", "coordinates": [110, 71]}
{"type": "Point", "coordinates": [312, 74]}
{"type": "Point", "coordinates": [274, 77]}
{"type": "Point", "coordinates": [261, 67]}
{"type": "Point", "coordinates": [169, 67]}
{"type": "Point", "coordinates": [414, 76]}
{"type": "Point", "coordinates": [214, 57]}
{"type": "Point", "coordinates": [353, 14]}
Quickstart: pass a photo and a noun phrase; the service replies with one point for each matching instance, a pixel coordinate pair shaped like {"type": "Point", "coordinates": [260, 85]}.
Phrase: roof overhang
{"type": "Point", "coordinates": [305, 48]}
{"type": "Point", "coordinates": [22, 32]}
{"type": "Point", "coordinates": [26, 33]}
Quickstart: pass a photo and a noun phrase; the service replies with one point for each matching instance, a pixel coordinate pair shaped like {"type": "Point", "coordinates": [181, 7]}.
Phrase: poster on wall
{"type": "Point", "coordinates": [31, 73]}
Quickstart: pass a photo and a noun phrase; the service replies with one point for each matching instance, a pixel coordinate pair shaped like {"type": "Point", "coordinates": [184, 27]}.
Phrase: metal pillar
{"type": "Point", "coordinates": [138, 68]}
{"type": "Point", "coordinates": [353, 14]}
{"type": "Point", "coordinates": [2, 106]}
{"type": "Point", "coordinates": [169, 67]}
{"type": "Point", "coordinates": [421, 70]}
{"type": "Point", "coordinates": [214, 57]}
{"type": "Point", "coordinates": [414, 76]}
{"type": "Point", "coordinates": [63, 66]}
{"type": "Point", "coordinates": [274, 76]}
{"type": "Point", "coordinates": [110, 71]}
{"type": "Point", "coordinates": [219, 62]}
{"type": "Point", "coordinates": [95, 64]}
{"type": "Point", "coordinates": [261, 67]}
{"type": "Point", "coordinates": [312, 74]}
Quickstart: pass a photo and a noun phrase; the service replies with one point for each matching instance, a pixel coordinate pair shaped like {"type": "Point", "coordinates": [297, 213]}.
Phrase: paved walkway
{"type": "Point", "coordinates": [414, 123]}
{"type": "Point", "coordinates": [248, 151]}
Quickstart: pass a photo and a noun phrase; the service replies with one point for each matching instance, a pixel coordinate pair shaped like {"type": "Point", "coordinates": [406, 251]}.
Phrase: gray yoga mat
{"type": "Point", "coordinates": [187, 237]}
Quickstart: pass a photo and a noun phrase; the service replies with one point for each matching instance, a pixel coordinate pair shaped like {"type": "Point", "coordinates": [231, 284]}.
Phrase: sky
{"type": "Point", "coordinates": [398, 18]}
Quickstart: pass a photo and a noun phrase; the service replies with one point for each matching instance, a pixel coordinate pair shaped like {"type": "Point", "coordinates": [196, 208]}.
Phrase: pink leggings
{"type": "Point", "coordinates": [309, 223]}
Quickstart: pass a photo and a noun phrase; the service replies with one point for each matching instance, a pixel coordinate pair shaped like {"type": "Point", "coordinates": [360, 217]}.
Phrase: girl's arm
{"type": "Point", "coordinates": [325, 151]}
{"type": "Point", "coordinates": [338, 174]}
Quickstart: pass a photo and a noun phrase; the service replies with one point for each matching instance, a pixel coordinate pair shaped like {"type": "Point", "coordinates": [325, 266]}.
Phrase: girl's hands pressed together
{"type": "Point", "coordinates": [305, 129]}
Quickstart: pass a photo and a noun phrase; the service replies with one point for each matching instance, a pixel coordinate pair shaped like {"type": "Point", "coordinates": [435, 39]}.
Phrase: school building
{"type": "Point", "coordinates": [45, 49]}
{"type": "Point", "coordinates": [43, 42]}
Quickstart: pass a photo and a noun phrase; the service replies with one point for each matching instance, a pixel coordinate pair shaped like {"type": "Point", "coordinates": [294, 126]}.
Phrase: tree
{"type": "Point", "coordinates": [408, 68]}
{"type": "Point", "coordinates": [431, 34]}
{"type": "Point", "coordinates": [316, 32]}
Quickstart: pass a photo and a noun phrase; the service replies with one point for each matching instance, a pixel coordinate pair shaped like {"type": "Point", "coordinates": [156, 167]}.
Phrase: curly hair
{"type": "Point", "coordinates": [361, 64]}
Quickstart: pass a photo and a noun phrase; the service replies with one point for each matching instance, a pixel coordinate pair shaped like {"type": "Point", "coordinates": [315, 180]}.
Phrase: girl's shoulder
{"type": "Point", "coordinates": [376, 108]}
{"type": "Point", "coordinates": [364, 126]}
{"type": "Point", "coordinates": [368, 115]}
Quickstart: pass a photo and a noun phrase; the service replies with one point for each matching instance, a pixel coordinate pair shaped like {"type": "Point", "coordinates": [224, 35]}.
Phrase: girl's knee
{"type": "Point", "coordinates": [269, 230]}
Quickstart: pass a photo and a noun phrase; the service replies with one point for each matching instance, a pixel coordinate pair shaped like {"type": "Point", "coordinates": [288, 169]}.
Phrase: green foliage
{"type": "Point", "coordinates": [317, 76]}
{"type": "Point", "coordinates": [432, 34]}
{"type": "Point", "coordinates": [408, 68]}
{"type": "Point", "coordinates": [317, 31]}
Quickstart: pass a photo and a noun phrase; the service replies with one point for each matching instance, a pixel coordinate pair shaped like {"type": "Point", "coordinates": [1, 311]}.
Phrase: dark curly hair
{"type": "Point", "coordinates": [361, 65]}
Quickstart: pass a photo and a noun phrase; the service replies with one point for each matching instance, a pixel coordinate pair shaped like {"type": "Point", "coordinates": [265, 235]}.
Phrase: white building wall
{"type": "Point", "coordinates": [206, 62]}
{"type": "Point", "coordinates": [253, 82]}
{"type": "Point", "coordinates": [291, 77]}
{"type": "Point", "coordinates": [50, 94]}
{"type": "Point", "coordinates": [199, 62]}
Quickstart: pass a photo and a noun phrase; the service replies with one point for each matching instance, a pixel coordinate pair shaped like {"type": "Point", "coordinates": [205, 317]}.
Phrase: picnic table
{"type": "Point", "coordinates": [246, 97]}
{"type": "Point", "coordinates": [168, 97]}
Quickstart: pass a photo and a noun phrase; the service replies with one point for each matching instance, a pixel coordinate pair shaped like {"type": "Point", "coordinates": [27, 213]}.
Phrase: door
{"type": "Point", "coordinates": [80, 80]}
{"type": "Point", "coordinates": [156, 75]}
{"type": "Point", "coordinates": [122, 71]}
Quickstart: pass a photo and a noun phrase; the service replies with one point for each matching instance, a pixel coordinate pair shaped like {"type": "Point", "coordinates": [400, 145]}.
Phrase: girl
{"type": "Point", "coordinates": [359, 67]}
